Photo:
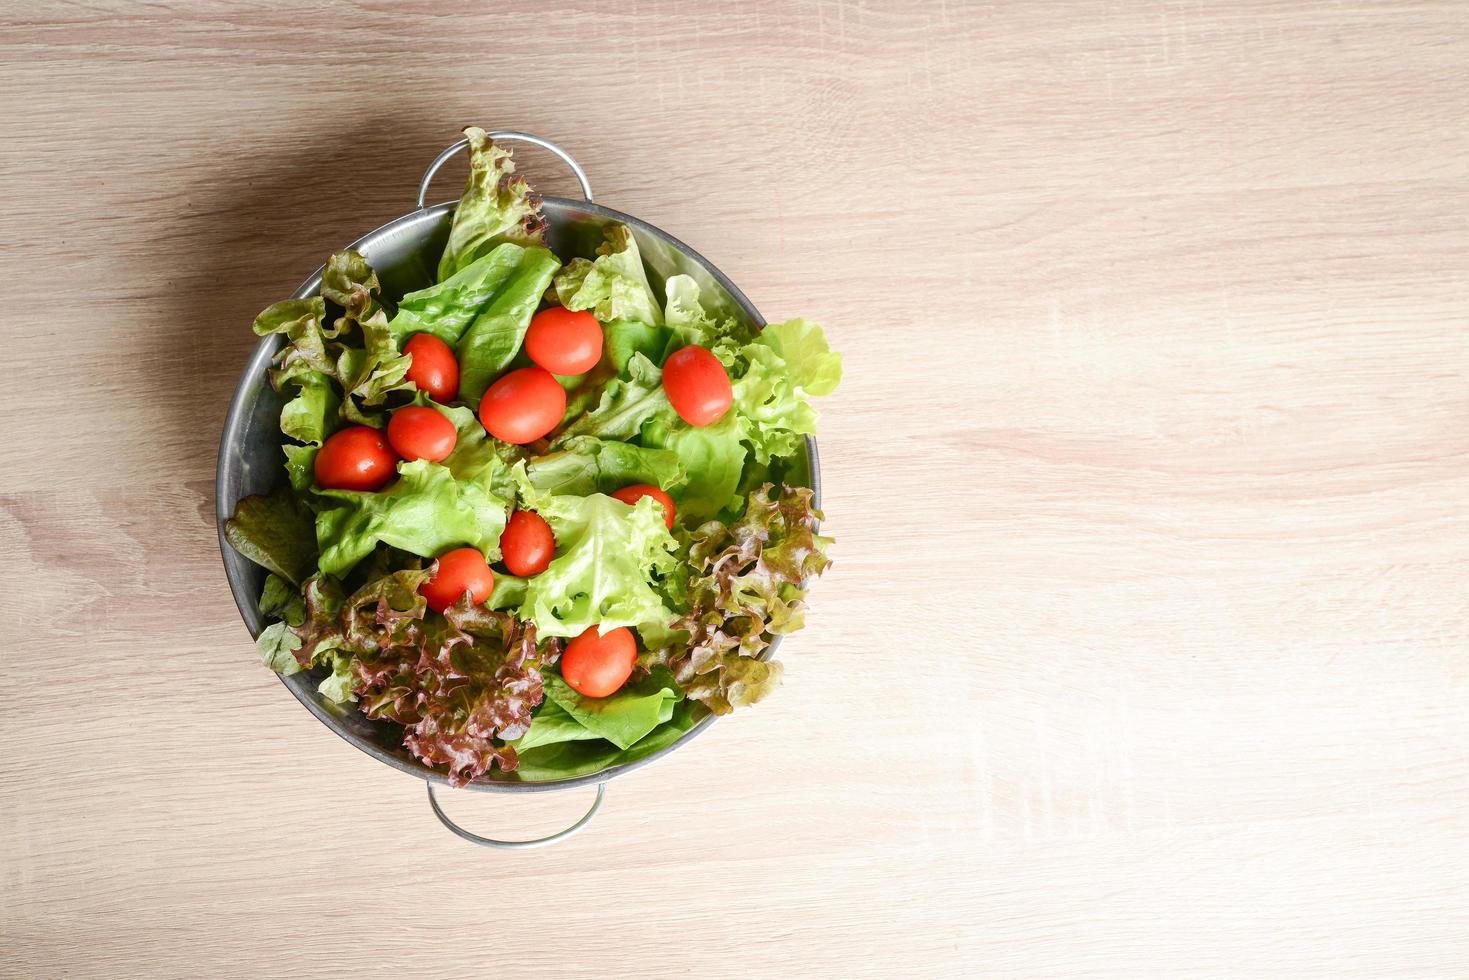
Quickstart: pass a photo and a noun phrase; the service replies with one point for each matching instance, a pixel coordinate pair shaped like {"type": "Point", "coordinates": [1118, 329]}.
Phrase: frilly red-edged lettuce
{"type": "Point", "coordinates": [747, 583]}
{"type": "Point", "coordinates": [496, 207]}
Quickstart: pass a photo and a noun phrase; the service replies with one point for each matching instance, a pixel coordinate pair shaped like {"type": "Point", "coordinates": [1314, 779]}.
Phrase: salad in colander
{"type": "Point", "coordinates": [534, 513]}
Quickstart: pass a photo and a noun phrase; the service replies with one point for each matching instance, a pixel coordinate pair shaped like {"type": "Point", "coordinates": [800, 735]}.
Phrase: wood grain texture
{"type": "Point", "coordinates": [1144, 653]}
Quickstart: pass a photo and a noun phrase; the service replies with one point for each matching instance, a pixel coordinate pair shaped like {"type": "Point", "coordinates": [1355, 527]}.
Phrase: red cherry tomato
{"type": "Point", "coordinates": [596, 664]}
{"type": "Point", "coordinates": [523, 406]}
{"type": "Point", "coordinates": [697, 385]}
{"type": "Point", "coordinates": [631, 495]}
{"type": "Point", "coordinates": [564, 341]}
{"type": "Point", "coordinates": [461, 570]}
{"type": "Point", "coordinates": [434, 368]}
{"type": "Point", "coordinates": [358, 458]}
{"type": "Point", "coordinates": [527, 543]}
{"type": "Point", "coordinates": [419, 432]}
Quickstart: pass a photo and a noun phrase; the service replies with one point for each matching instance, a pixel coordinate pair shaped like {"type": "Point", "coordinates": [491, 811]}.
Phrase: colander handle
{"type": "Point", "coordinates": [433, 801]}
{"type": "Point", "coordinates": [504, 134]}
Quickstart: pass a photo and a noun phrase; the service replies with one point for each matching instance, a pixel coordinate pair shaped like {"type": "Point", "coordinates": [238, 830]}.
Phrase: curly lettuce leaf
{"type": "Point", "coordinates": [425, 512]}
{"type": "Point", "coordinates": [609, 557]}
{"type": "Point", "coordinates": [712, 455]}
{"type": "Point", "coordinates": [274, 530]}
{"type": "Point", "coordinates": [748, 582]}
{"type": "Point", "coordinates": [496, 207]}
{"type": "Point", "coordinates": [586, 464]}
{"type": "Point", "coordinates": [357, 354]}
{"type": "Point", "coordinates": [772, 394]}
{"type": "Point", "coordinates": [460, 683]}
{"type": "Point", "coordinates": [614, 286]}
{"type": "Point", "coordinates": [628, 402]}
{"type": "Point", "coordinates": [493, 338]}
{"type": "Point", "coordinates": [813, 367]}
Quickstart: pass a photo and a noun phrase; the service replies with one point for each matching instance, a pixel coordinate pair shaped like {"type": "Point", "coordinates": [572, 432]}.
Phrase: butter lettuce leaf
{"type": "Point", "coordinates": [446, 309]}
{"type": "Point", "coordinates": [614, 285]}
{"type": "Point", "coordinates": [494, 337]}
{"type": "Point", "coordinates": [609, 558]}
{"type": "Point", "coordinates": [425, 512]}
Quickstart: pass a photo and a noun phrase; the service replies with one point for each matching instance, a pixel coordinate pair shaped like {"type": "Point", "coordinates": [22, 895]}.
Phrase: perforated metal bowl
{"type": "Point", "coordinates": [405, 254]}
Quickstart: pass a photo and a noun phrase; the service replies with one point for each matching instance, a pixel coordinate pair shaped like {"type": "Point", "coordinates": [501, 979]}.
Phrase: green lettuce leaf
{"type": "Point", "coordinates": [812, 366]}
{"type": "Point", "coordinates": [274, 530]}
{"type": "Point", "coordinates": [624, 338]}
{"type": "Point", "coordinates": [312, 414]}
{"type": "Point", "coordinates": [446, 309]}
{"type": "Point", "coordinates": [622, 718]}
{"type": "Point", "coordinates": [608, 558]}
{"type": "Point", "coordinates": [477, 457]}
{"type": "Point", "coordinates": [492, 340]}
{"type": "Point", "coordinates": [496, 207]}
{"type": "Point", "coordinates": [425, 512]}
{"type": "Point", "coordinates": [337, 686]}
{"type": "Point", "coordinates": [551, 724]}
{"type": "Point", "coordinates": [282, 600]}
{"type": "Point", "coordinates": [614, 286]}
{"type": "Point", "coordinates": [712, 455]}
{"type": "Point", "coordinates": [278, 646]}
{"type": "Point", "coordinates": [586, 464]}
{"type": "Point", "coordinates": [566, 759]}
{"type": "Point", "coordinates": [300, 466]}
{"type": "Point", "coordinates": [628, 402]}
{"type": "Point", "coordinates": [772, 394]}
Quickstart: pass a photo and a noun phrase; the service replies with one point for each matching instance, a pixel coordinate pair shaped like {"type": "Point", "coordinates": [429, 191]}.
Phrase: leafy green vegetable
{"type": "Point", "coordinates": [622, 339]}
{"type": "Point", "coordinates": [300, 466]}
{"type": "Point", "coordinates": [814, 368]}
{"type": "Point", "coordinates": [607, 557]}
{"type": "Point", "coordinates": [622, 718]}
{"type": "Point", "coordinates": [492, 340]}
{"type": "Point", "coordinates": [586, 464]}
{"type": "Point", "coordinates": [338, 685]}
{"type": "Point", "coordinates": [477, 457]}
{"type": "Point", "coordinates": [496, 207]}
{"type": "Point", "coordinates": [279, 598]}
{"type": "Point", "coordinates": [748, 582]}
{"type": "Point", "coordinates": [278, 646]}
{"type": "Point", "coordinates": [551, 724]}
{"type": "Point", "coordinates": [772, 395]}
{"type": "Point", "coordinates": [713, 456]}
{"type": "Point", "coordinates": [614, 286]}
{"type": "Point", "coordinates": [312, 414]}
{"type": "Point", "coordinates": [426, 512]}
{"type": "Point", "coordinates": [366, 375]}
{"type": "Point", "coordinates": [627, 403]}
{"type": "Point", "coordinates": [447, 308]}
{"type": "Point", "coordinates": [274, 531]}
{"type": "Point", "coordinates": [566, 759]}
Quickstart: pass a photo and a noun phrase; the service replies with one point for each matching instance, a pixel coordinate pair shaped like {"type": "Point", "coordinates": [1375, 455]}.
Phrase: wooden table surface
{"type": "Point", "coordinates": [1144, 652]}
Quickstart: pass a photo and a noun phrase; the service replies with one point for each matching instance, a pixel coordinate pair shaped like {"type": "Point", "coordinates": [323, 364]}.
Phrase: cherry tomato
{"type": "Point", "coordinates": [461, 570]}
{"type": "Point", "coordinates": [358, 458]}
{"type": "Point", "coordinates": [419, 432]}
{"type": "Point", "coordinates": [564, 341]}
{"type": "Point", "coordinates": [697, 385]}
{"type": "Point", "coordinates": [636, 492]}
{"type": "Point", "coordinates": [527, 543]}
{"type": "Point", "coordinates": [596, 664]}
{"type": "Point", "coordinates": [434, 368]}
{"type": "Point", "coordinates": [523, 406]}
